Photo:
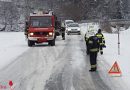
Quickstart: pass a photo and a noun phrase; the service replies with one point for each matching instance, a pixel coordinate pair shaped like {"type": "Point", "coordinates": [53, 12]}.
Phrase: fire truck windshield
{"type": "Point", "coordinates": [39, 21]}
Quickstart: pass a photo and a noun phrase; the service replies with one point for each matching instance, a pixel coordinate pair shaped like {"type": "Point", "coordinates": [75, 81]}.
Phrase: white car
{"type": "Point", "coordinates": [73, 28]}
{"type": "Point", "coordinates": [66, 22]}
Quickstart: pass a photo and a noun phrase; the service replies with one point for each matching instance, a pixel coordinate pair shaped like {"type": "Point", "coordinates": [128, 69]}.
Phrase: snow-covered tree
{"type": "Point", "coordinates": [9, 14]}
{"type": "Point", "coordinates": [12, 10]}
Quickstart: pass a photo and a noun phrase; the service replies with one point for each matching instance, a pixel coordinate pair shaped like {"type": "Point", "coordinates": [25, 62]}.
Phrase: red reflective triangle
{"type": "Point", "coordinates": [115, 69]}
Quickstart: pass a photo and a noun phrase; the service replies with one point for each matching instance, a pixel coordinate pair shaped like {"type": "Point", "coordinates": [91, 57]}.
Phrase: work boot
{"type": "Point", "coordinates": [92, 70]}
{"type": "Point", "coordinates": [101, 53]}
{"type": "Point", "coordinates": [63, 38]}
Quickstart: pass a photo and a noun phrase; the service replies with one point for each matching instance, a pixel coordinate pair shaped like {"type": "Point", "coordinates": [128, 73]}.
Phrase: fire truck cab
{"type": "Point", "coordinates": [40, 28]}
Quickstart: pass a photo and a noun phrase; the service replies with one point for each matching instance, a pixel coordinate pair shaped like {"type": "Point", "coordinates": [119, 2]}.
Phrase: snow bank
{"type": "Point", "coordinates": [12, 44]}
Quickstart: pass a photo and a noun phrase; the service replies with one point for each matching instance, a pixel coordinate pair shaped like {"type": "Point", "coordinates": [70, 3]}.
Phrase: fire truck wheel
{"type": "Point", "coordinates": [30, 43]}
{"type": "Point", "coordinates": [55, 36]}
{"type": "Point", "coordinates": [52, 42]}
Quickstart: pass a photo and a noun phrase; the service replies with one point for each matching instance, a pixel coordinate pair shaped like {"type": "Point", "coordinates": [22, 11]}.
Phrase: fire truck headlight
{"type": "Point", "coordinates": [31, 34]}
{"type": "Point", "coordinates": [50, 33]}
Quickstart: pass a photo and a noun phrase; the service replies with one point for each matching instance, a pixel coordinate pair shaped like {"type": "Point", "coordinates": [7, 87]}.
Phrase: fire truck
{"type": "Point", "coordinates": [39, 28]}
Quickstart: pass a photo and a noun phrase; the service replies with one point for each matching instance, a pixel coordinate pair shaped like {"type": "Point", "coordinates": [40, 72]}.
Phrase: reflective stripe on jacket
{"type": "Point", "coordinates": [93, 44]}
{"type": "Point", "coordinates": [93, 66]}
{"type": "Point", "coordinates": [102, 43]}
{"type": "Point", "coordinates": [94, 50]}
{"type": "Point", "coordinates": [101, 38]}
{"type": "Point", "coordinates": [99, 35]}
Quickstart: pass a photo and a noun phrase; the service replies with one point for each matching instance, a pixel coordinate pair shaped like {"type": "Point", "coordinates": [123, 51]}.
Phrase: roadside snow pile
{"type": "Point", "coordinates": [112, 53]}
{"type": "Point", "coordinates": [12, 44]}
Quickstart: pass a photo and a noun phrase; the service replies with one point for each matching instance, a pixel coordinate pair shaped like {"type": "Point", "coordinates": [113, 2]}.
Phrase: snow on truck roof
{"type": "Point", "coordinates": [40, 14]}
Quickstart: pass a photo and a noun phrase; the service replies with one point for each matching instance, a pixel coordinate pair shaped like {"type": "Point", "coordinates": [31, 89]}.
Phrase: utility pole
{"type": "Point", "coordinates": [118, 28]}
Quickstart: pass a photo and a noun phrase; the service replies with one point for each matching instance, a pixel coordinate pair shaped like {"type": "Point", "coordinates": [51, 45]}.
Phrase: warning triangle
{"type": "Point", "coordinates": [115, 70]}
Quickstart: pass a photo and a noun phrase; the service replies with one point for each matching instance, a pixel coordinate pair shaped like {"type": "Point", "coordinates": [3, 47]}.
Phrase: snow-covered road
{"type": "Point", "coordinates": [61, 67]}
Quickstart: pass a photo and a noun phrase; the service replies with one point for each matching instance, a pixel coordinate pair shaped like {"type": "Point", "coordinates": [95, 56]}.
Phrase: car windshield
{"type": "Point", "coordinates": [69, 22]}
{"type": "Point", "coordinates": [41, 21]}
{"type": "Point", "coordinates": [73, 25]}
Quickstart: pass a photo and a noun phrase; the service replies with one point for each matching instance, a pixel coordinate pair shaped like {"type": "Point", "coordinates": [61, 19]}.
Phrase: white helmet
{"type": "Point", "coordinates": [91, 33]}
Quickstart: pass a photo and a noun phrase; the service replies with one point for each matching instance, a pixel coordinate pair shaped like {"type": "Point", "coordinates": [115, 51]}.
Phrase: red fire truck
{"type": "Point", "coordinates": [40, 28]}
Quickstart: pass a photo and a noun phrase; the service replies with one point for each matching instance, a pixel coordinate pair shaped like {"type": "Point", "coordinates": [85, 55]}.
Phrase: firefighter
{"type": "Point", "coordinates": [26, 29]}
{"type": "Point", "coordinates": [60, 29]}
{"type": "Point", "coordinates": [63, 32]}
{"type": "Point", "coordinates": [93, 47]}
{"type": "Point", "coordinates": [101, 40]}
{"type": "Point", "coordinates": [86, 40]}
{"type": "Point", "coordinates": [87, 35]}
{"type": "Point", "coordinates": [57, 28]}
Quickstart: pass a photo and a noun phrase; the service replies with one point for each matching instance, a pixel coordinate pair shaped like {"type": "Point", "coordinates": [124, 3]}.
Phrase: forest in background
{"type": "Point", "coordinates": [14, 12]}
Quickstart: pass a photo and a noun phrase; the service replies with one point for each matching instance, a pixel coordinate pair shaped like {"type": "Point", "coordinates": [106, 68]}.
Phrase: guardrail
{"type": "Point", "coordinates": [115, 21]}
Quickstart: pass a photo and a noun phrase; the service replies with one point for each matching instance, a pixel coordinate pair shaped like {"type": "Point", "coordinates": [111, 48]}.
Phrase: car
{"type": "Point", "coordinates": [66, 22]}
{"type": "Point", "coordinates": [73, 28]}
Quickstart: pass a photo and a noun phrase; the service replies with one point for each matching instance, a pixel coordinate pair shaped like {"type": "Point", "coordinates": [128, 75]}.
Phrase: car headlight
{"type": "Point", "coordinates": [69, 29]}
{"type": "Point", "coordinates": [31, 34]}
{"type": "Point", "coordinates": [79, 29]}
{"type": "Point", "coordinates": [50, 33]}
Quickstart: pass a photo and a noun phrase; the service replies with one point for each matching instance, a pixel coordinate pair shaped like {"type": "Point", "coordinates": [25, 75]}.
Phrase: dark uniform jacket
{"type": "Point", "coordinates": [93, 44]}
{"type": "Point", "coordinates": [101, 39]}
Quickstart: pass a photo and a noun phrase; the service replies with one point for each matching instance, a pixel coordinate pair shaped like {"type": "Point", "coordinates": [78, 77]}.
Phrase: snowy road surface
{"type": "Point", "coordinates": [61, 67]}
